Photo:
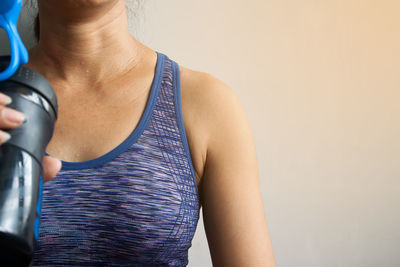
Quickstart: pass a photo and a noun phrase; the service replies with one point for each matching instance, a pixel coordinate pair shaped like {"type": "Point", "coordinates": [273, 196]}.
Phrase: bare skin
{"type": "Point", "coordinates": [102, 77]}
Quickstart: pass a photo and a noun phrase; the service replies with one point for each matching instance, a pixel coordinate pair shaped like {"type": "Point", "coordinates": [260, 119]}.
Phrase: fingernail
{"type": "Point", "coordinates": [5, 99]}
{"type": "Point", "coordinates": [5, 137]}
{"type": "Point", "coordinates": [13, 116]}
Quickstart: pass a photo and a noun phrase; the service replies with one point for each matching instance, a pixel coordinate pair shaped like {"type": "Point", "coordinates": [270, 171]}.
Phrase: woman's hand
{"type": "Point", "coordinates": [10, 119]}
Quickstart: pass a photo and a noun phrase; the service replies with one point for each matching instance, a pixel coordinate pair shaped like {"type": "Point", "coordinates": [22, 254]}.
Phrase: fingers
{"type": "Point", "coordinates": [4, 99]}
{"type": "Point", "coordinates": [4, 137]}
{"type": "Point", "coordinates": [51, 167]}
{"type": "Point", "coordinates": [9, 118]}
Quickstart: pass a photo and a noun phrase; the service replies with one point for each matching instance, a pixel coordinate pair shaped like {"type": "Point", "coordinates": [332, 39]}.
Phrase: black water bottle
{"type": "Point", "coordinates": [21, 172]}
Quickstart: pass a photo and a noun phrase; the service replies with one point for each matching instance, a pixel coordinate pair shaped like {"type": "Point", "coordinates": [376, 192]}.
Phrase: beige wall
{"type": "Point", "coordinates": [320, 83]}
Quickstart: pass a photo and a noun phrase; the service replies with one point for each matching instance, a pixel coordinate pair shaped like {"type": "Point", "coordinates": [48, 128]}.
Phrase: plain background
{"type": "Point", "coordinates": [320, 83]}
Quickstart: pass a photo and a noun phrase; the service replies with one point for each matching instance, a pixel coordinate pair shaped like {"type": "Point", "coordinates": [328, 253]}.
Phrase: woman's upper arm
{"type": "Point", "coordinates": [233, 211]}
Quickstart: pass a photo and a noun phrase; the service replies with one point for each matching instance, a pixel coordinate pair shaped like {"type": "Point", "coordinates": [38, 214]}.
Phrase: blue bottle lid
{"type": "Point", "coordinates": [9, 13]}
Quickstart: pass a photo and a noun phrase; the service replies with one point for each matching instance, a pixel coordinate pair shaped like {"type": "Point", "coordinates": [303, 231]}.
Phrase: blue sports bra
{"type": "Point", "coordinates": [137, 205]}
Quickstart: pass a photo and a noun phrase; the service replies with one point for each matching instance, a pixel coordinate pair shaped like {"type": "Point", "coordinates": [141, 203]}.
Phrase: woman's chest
{"type": "Point", "coordinates": [83, 134]}
{"type": "Point", "coordinates": [119, 213]}
{"type": "Point", "coordinates": [85, 131]}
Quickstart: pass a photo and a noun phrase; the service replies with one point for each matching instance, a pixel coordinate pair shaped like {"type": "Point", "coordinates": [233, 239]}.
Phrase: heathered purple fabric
{"type": "Point", "coordinates": [137, 205]}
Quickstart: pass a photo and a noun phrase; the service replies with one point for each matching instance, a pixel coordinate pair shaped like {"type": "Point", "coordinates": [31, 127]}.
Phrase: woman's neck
{"type": "Point", "coordinates": [84, 46]}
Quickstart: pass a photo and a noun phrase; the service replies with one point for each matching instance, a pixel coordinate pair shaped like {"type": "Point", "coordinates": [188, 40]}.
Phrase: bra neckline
{"type": "Point", "coordinates": [136, 133]}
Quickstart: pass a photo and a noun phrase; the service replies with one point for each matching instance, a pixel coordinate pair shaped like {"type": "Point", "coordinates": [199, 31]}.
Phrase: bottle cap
{"type": "Point", "coordinates": [33, 80]}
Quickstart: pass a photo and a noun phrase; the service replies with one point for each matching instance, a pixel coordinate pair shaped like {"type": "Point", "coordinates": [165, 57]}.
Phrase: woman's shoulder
{"type": "Point", "coordinates": [207, 105]}
{"type": "Point", "coordinates": [207, 99]}
{"type": "Point", "coordinates": [229, 191]}
{"type": "Point", "coordinates": [205, 94]}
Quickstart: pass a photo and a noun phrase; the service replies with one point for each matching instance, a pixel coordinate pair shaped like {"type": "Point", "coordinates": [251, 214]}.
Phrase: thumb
{"type": "Point", "coordinates": [51, 167]}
